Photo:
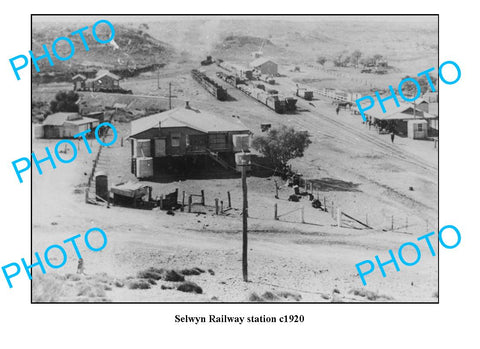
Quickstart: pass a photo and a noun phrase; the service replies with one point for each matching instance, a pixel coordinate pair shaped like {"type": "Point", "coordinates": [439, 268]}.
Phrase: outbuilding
{"type": "Point", "coordinates": [104, 80]}
{"type": "Point", "coordinates": [417, 129]}
{"type": "Point", "coordinates": [265, 66]}
{"type": "Point", "coordinates": [79, 82]}
{"type": "Point", "coordinates": [66, 125]}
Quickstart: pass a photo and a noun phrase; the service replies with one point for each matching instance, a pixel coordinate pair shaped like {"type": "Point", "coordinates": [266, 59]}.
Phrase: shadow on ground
{"type": "Point", "coordinates": [332, 184]}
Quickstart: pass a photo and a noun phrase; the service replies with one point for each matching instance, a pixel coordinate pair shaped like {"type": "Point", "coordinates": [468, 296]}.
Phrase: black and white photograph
{"type": "Point", "coordinates": [235, 158]}
{"type": "Point", "coordinates": [249, 174]}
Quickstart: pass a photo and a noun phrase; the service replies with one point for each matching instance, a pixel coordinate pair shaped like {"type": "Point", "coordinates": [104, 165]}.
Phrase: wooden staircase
{"type": "Point", "coordinates": [218, 159]}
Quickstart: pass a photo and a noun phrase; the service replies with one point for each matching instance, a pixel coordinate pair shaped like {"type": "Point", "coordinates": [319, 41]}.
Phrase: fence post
{"type": "Point", "coordinates": [216, 206]}
{"type": "Point", "coordinates": [183, 200]}
{"type": "Point", "coordinates": [392, 223]}
{"type": "Point", "coordinates": [229, 200]}
{"type": "Point", "coordinates": [203, 198]}
{"type": "Point", "coordinates": [221, 206]}
{"type": "Point", "coordinates": [189, 203]}
{"type": "Point", "coordinates": [325, 204]}
{"type": "Point", "coordinates": [275, 215]}
{"type": "Point", "coordinates": [333, 211]}
{"type": "Point", "coordinates": [339, 217]}
{"type": "Point", "coordinates": [161, 202]}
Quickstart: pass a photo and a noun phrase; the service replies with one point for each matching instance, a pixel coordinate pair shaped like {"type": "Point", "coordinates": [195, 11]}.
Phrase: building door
{"type": "Point", "coordinates": [160, 149]}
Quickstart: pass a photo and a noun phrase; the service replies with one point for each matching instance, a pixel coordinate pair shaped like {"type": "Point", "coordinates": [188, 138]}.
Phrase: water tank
{"type": "Point", "coordinates": [101, 185]}
{"type": "Point", "coordinates": [38, 131]}
{"type": "Point", "coordinates": [141, 148]}
{"type": "Point", "coordinates": [241, 142]}
{"type": "Point", "coordinates": [243, 159]}
{"type": "Point", "coordinates": [144, 167]}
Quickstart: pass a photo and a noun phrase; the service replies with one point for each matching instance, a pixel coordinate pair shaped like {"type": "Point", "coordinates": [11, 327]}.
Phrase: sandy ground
{"type": "Point", "coordinates": [371, 180]}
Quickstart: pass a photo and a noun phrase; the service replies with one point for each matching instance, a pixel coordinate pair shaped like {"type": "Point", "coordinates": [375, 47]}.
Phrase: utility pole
{"type": "Point", "coordinates": [169, 95]}
{"type": "Point", "coordinates": [245, 216]}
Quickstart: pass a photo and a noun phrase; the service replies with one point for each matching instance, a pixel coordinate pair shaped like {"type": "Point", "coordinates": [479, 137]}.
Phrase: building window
{"type": "Point", "coordinates": [217, 139]}
{"type": "Point", "coordinates": [420, 128]}
{"type": "Point", "coordinates": [175, 139]}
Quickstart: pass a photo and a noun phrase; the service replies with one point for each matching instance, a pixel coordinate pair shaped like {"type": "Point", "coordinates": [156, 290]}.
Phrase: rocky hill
{"type": "Point", "coordinates": [131, 51]}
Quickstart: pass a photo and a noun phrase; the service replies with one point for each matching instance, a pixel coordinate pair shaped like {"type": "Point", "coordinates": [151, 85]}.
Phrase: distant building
{"type": "Point", "coordinates": [407, 120]}
{"type": "Point", "coordinates": [432, 99]}
{"type": "Point", "coordinates": [265, 66]}
{"type": "Point", "coordinates": [103, 80]}
{"type": "Point", "coordinates": [184, 139]}
{"type": "Point", "coordinates": [79, 82]}
{"type": "Point", "coordinates": [66, 125]}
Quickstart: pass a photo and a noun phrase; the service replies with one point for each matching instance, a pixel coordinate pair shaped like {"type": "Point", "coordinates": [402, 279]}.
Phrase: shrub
{"type": "Point", "coordinates": [190, 287]}
{"type": "Point", "coordinates": [172, 275]}
{"type": "Point", "coordinates": [65, 102]}
{"type": "Point", "coordinates": [282, 144]}
{"type": "Point", "coordinates": [138, 284]}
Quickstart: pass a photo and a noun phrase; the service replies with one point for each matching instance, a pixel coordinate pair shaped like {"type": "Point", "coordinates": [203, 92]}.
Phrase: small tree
{"type": "Point", "coordinates": [282, 145]}
{"type": "Point", "coordinates": [65, 102]}
{"type": "Point", "coordinates": [321, 60]}
{"type": "Point", "coordinates": [356, 56]}
{"type": "Point", "coordinates": [377, 57]}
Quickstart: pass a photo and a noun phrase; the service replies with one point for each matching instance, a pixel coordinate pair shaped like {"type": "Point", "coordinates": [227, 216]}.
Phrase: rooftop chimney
{"type": "Point", "coordinates": [187, 105]}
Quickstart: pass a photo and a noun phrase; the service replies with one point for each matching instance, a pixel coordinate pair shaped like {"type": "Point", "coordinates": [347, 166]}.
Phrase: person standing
{"type": "Point", "coordinates": [338, 109]}
{"type": "Point", "coordinates": [392, 136]}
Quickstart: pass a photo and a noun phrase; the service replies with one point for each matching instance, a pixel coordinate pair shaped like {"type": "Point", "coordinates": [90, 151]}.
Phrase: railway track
{"type": "Point", "coordinates": [348, 130]}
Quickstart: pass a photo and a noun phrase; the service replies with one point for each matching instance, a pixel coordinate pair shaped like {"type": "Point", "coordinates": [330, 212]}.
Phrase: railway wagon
{"type": "Point", "coordinates": [290, 104]}
{"type": "Point", "coordinates": [211, 86]}
{"type": "Point", "coordinates": [275, 103]}
{"type": "Point", "coordinates": [305, 94]}
{"type": "Point", "coordinates": [257, 91]}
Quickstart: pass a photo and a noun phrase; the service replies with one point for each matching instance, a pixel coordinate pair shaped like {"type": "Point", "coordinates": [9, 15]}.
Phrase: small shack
{"type": "Point", "coordinates": [79, 82]}
{"type": "Point", "coordinates": [131, 194]}
{"type": "Point", "coordinates": [417, 129]}
{"type": "Point", "coordinates": [66, 125]}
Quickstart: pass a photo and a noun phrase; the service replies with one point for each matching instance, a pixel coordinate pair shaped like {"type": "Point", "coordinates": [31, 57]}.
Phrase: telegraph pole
{"type": "Point", "coordinates": [169, 95]}
{"type": "Point", "coordinates": [245, 216]}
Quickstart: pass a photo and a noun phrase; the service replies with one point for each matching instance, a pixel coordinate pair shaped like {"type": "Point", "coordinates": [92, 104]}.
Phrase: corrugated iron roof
{"type": "Point", "coordinates": [79, 76]}
{"type": "Point", "coordinates": [259, 61]}
{"type": "Point", "coordinates": [82, 121]}
{"type": "Point", "coordinates": [107, 73]}
{"type": "Point", "coordinates": [103, 73]}
{"type": "Point", "coordinates": [58, 119]}
{"type": "Point", "coordinates": [186, 117]}
{"type": "Point", "coordinates": [397, 113]}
